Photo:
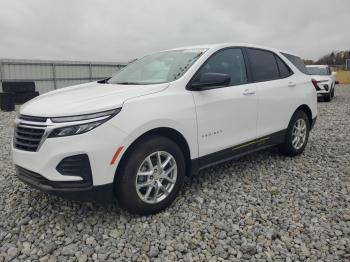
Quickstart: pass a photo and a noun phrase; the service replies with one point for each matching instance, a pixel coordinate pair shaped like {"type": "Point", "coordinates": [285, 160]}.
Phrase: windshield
{"type": "Point", "coordinates": [322, 71]}
{"type": "Point", "coordinates": [157, 68]}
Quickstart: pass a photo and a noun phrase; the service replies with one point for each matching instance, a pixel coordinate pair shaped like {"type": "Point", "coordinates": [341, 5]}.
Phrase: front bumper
{"type": "Point", "coordinates": [313, 122]}
{"type": "Point", "coordinates": [78, 190]}
{"type": "Point", "coordinates": [100, 145]}
{"type": "Point", "coordinates": [54, 168]}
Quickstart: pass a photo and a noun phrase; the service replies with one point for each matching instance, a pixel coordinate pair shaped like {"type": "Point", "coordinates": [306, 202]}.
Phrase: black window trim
{"type": "Point", "coordinates": [274, 54]}
{"type": "Point", "coordinates": [188, 86]}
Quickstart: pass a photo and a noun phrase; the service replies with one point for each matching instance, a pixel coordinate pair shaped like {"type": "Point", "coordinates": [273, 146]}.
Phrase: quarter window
{"type": "Point", "coordinates": [228, 61]}
{"type": "Point", "coordinates": [263, 65]}
{"type": "Point", "coordinates": [284, 70]}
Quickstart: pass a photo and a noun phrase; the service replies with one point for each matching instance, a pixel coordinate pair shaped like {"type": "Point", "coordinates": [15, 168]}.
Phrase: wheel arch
{"type": "Point", "coordinates": [167, 132]}
{"type": "Point", "coordinates": [306, 109]}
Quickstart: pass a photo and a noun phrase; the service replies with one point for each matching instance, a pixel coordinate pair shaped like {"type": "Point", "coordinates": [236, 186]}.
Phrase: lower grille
{"type": "Point", "coordinates": [28, 138]}
{"type": "Point", "coordinates": [77, 165]}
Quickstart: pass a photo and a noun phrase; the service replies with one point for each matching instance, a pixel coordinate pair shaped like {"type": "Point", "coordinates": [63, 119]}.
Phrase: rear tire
{"type": "Point", "coordinates": [142, 186]}
{"type": "Point", "coordinates": [297, 135]}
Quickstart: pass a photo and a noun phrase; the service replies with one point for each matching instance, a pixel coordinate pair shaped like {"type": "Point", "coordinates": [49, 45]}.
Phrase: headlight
{"type": "Point", "coordinates": [104, 114]}
{"type": "Point", "coordinates": [87, 123]}
{"type": "Point", "coordinates": [74, 130]}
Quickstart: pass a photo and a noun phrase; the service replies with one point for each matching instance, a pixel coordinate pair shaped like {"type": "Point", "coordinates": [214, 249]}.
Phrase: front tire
{"type": "Point", "coordinates": [328, 97]}
{"type": "Point", "coordinates": [297, 135]}
{"type": "Point", "coordinates": [151, 176]}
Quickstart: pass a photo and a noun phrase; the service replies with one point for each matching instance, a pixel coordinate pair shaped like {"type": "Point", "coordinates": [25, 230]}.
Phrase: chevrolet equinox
{"type": "Point", "coordinates": [136, 135]}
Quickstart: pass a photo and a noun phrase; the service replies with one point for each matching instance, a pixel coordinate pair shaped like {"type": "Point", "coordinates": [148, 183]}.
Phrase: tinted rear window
{"type": "Point", "coordinates": [322, 71]}
{"type": "Point", "coordinates": [297, 62]}
{"type": "Point", "coordinates": [263, 65]}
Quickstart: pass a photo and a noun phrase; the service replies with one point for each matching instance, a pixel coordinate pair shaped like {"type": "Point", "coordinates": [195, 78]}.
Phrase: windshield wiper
{"type": "Point", "coordinates": [128, 83]}
{"type": "Point", "coordinates": [104, 81]}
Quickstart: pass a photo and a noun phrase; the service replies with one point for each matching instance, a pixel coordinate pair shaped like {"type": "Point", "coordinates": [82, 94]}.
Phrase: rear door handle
{"type": "Point", "coordinates": [290, 84]}
{"type": "Point", "coordinates": [248, 92]}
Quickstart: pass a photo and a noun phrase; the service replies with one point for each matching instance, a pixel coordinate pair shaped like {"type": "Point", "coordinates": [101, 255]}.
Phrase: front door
{"type": "Point", "coordinates": [226, 116]}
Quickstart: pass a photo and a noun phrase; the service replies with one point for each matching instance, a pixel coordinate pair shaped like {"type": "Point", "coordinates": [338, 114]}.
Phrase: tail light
{"type": "Point", "coordinates": [314, 82]}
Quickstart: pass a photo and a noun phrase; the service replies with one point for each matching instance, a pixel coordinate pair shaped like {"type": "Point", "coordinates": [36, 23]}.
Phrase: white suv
{"type": "Point", "coordinates": [323, 79]}
{"type": "Point", "coordinates": [164, 116]}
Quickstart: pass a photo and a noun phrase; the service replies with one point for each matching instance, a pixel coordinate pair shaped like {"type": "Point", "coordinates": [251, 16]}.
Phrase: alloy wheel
{"type": "Point", "coordinates": [156, 177]}
{"type": "Point", "coordinates": [299, 133]}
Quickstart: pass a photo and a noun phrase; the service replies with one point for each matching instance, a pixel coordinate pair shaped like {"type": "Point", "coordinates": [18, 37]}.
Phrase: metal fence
{"type": "Point", "coordinates": [50, 75]}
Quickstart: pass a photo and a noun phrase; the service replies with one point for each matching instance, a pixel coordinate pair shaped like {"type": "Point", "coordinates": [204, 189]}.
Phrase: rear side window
{"type": "Point", "coordinates": [297, 62]}
{"type": "Point", "coordinates": [228, 61]}
{"type": "Point", "coordinates": [284, 70]}
{"type": "Point", "coordinates": [263, 65]}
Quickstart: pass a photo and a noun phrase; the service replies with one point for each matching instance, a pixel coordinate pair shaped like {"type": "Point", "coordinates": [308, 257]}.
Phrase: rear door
{"type": "Point", "coordinates": [226, 116]}
{"type": "Point", "coordinates": [275, 90]}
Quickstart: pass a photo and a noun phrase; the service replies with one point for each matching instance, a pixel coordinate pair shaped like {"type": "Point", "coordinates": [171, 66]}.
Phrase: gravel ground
{"type": "Point", "coordinates": [261, 207]}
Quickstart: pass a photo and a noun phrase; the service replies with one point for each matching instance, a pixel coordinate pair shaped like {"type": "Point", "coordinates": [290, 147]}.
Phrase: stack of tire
{"type": "Point", "coordinates": [16, 93]}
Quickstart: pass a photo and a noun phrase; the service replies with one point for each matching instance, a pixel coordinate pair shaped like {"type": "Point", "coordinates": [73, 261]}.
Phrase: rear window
{"type": "Point", "coordinates": [297, 62]}
{"type": "Point", "coordinates": [321, 71]}
{"type": "Point", "coordinates": [263, 65]}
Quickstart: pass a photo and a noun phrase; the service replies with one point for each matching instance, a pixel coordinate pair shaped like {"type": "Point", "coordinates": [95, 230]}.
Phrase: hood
{"type": "Point", "coordinates": [85, 99]}
{"type": "Point", "coordinates": [321, 78]}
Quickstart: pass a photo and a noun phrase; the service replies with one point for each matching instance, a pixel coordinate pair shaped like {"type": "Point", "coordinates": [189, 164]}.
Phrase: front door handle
{"type": "Point", "coordinates": [290, 84]}
{"type": "Point", "coordinates": [248, 92]}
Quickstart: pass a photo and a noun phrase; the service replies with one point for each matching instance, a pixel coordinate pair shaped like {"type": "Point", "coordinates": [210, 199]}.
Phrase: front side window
{"type": "Point", "coordinates": [228, 61]}
{"type": "Point", "coordinates": [263, 65]}
{"type": "Point", "coordinates": [157, 68]}
{"type": "Point", "coordinates": [321, 71]}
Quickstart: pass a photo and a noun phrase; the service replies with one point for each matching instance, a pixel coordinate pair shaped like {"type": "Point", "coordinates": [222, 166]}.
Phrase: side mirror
{"type": "Point", "coordinates": [334, 73]}
{"type": "Point", "coordinates": [208, 81]}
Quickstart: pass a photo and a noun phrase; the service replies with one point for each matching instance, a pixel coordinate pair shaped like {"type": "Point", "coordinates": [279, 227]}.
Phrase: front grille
{"type": "Point", "coordinates": [29, 132]}
{"type": "Point", "coordinates": [28, 138]}
{"type": "Point", "coordinates": [32, 118]}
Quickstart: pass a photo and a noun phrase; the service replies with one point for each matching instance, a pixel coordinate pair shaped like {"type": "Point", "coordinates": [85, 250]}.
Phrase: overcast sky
{"type": "Point", "coordinates": [120, 30]}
